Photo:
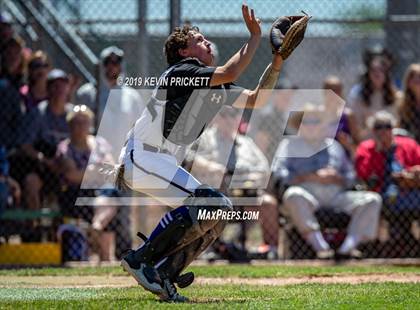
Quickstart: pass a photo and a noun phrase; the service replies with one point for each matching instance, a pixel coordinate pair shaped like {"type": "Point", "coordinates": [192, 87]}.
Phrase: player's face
{"type": "Point", "coordinates": [200, 48]}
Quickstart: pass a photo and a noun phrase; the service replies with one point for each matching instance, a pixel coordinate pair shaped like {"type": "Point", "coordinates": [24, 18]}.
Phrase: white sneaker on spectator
{"type": "Point", "coordinates": [351, 254]}
{"type": "Point", "coordinates": [325, 254]}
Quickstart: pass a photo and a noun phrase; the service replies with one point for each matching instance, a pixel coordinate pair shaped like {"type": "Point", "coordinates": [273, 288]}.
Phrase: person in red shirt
{"type": "Point", "coordinates": [390, 165]}
{"type": "Point", "coordinates": [387, 154]}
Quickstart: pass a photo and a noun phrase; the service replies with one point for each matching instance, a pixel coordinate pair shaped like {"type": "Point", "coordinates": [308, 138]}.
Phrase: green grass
{"type": "Point", "coordinates": [244, 271]}
{"type": "Point", "coordinates": [308, 296]}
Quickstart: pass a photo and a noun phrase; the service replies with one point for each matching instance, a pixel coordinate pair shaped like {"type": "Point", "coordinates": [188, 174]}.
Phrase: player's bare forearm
{"type": "Point", "coordinates": [237, 63]}
{"type": "Point", "coordinates": [240, 60]}
{"type": "Point", "coordinates": [252, 99]}
{"type": "Point", "coordinates": [277, 62]}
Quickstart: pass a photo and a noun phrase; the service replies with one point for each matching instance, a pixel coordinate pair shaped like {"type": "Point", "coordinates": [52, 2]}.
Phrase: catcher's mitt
{"type": "Point", "coordinates": [287, 32]}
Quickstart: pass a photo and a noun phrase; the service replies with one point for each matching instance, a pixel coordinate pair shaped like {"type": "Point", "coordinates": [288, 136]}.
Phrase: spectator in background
{"type": "Point", "coordinates": [323, 180]}
{"type": "Point", "coordinates": [378, 51]}
{"type": "Point", "coordinates": [390, 165]}
{"type": "Point", "coordinates": [348, 131]}
{"type": "Point", "coordinates": [13, 61]}
{"type": "Point", "coordinates": [387, 161]}
{"type": "Point", "coordinates": [36, 89]}
{"type": "Point", "coordinates": [375, 92]}
{"type": "Point", "coordinates": [79, 158]}
{"type": "Point", "coordinates": [11, 113]}
{"type": "Point", "coordinates": [45, 127]}
{"type": "Point", "coordinates": [6, 29]}
{"type": "Point", "coordinates": [117, 110]}
{"type": "Point", "coordinates": [409, 106]}
{"type": "Point", "coordinates": [246, 166]}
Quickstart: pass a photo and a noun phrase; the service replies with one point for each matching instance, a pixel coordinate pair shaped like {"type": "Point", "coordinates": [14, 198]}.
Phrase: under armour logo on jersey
{"type": "Point", "coordinates": [216, 97]}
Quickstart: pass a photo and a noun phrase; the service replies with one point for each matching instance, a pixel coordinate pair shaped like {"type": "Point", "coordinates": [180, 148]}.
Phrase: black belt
{"type": "Point", "coordinates": [154, 149]}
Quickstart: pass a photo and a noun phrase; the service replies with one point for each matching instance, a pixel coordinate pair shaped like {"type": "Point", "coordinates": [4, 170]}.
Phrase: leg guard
{"type": "Point", "coordinates": [180, 227]}
{"type": "Point", "coordinates": [172, 266]}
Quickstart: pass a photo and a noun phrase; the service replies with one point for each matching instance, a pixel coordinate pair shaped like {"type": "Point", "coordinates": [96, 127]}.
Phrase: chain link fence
{"type": "Point", "coordinates": [364, 51]}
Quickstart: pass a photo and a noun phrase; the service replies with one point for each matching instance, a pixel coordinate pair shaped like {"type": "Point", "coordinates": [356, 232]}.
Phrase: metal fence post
{"type": "Point", "coordinates": [400, 27]}
{"type": "Point", "coordinates": [143, 50]}
{"type": "Point", "coordinates": [175, 14]}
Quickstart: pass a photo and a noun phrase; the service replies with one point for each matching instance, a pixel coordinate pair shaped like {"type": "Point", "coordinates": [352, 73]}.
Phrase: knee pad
{"type": "Point", "coordinates": [207, 196]}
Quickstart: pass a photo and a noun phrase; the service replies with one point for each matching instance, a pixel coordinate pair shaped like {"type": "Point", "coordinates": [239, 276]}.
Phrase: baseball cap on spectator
{"type": "Point", "coordinates": [382, 119]}
{"type": "Point", "coordinates": [112, 53]}
{"type": "Point", "coordinates": [57, 74]}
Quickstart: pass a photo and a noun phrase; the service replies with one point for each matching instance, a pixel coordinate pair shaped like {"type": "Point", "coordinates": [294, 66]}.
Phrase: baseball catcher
{"type": "Point", "coordinates": [176, 115]}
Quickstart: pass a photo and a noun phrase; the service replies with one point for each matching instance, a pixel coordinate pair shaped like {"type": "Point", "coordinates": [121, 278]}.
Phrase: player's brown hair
{"type": "Point", "coordinates": [177, 40]}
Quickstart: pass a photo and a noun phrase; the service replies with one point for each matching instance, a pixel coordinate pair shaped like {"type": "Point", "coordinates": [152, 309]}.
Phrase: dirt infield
{"type": "Point", "coordinates": [122, 281]}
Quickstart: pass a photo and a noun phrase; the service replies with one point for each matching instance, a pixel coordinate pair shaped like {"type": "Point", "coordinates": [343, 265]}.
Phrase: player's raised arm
{"type": "Point", "coordinates": [285, 35]}
{"type": "Point", "coordinates": [233, 68]}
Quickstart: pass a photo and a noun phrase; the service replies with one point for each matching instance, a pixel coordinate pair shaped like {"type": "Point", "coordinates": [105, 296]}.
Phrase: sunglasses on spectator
{"type": "Point", "coordinates": [382, 126]}
{"type": "Point", "coordinates": [112, 60]}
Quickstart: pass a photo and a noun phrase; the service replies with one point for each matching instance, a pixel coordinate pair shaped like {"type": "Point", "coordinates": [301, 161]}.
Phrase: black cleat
{"type": "Point", "coordinates": [184, 280]}
{"type": "Point", "coordinates": [146, 275]}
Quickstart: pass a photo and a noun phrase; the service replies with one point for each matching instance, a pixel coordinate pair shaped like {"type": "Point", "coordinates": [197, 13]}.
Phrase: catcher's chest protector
{"type": "Point", "coordinates": [184, 116]}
